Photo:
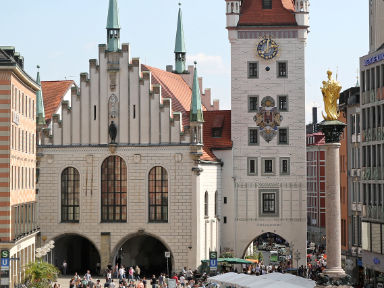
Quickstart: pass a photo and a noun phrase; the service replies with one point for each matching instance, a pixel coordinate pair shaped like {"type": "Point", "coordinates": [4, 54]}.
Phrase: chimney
{"type": "Point", "coordinates": [314, 115]}
{"type": "Point", "coordinates": [169, 68]}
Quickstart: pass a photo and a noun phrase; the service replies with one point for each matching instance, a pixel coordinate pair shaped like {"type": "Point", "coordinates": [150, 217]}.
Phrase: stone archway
{"type": "Point", "coordinates": [145, 250]}
{"type": "Point", "coordinates": [80, 252]}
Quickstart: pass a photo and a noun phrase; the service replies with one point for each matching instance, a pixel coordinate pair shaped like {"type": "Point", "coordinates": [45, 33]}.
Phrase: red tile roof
{"type": "Point", "coordinates": [281, 14]}
{"type": "Point", "coordinates": [53, 94]}
{"type": "Point", "coordinates": [211, 143]}
{"type": "Point", "coordinates": [318, 137]}
{"type": "Point", "coordinates": [173, 86]}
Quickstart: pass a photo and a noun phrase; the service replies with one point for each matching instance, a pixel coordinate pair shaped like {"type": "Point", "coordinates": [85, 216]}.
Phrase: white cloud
{"type": "Point", "coordinates": [90, 46]}
{"type": "Point", "coordinates": [209, 64]}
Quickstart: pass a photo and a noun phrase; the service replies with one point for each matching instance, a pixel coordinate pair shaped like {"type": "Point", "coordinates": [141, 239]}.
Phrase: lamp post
{"type": "Point", "coordinates": [297, 258]}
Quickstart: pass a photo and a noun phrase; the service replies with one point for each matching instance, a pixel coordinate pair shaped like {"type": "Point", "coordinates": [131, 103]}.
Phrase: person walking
{"type": "Point", "coordinates": [130, 276]}
{"type": "Point", "coordinates": [121, 273]}
{"type": "Point", "coordinates": [112, 284]}
{"type": "Point", "coordinates": [64, 267]}
{"type": "Point", "coordinates": [145, 282]}
{"type": "Point", "coordinates": [161, 279]}
{"type": "Point", "coordinates": [88, 275]}
{"type": "Point", "coordinates": [98, 267]}
{"type": "Point", "coordinates": [116, 271]}
{"type": "Point", "coordinates": [140, 285]}
{"type": "Point", "coordinates": [91, 284]}
{"type": "Point", "coordinates": [137, 273]}
{"type": "Point", "coordinates": [153, 281]}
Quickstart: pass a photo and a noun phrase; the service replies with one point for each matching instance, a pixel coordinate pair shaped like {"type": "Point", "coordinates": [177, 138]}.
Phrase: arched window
{"type": "Point", "coordinates": [216, 204]}
{"type": "Point", "coordinates": [158, 194]}
{"type": "Point", "coordinates": [206, 203]}
{"type": "Point", "coordinates": [114, 189]}
{"type": "Point", "coordinates": [70, 195]}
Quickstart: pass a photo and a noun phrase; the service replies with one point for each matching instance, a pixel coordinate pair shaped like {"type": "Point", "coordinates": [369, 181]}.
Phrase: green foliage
{"type": "Point", "coordinates": [254, 256]}
{"type": "Point", "coordinates": [260, 256]}
{"type": "Point", "coordinates": [227, 253]}
{"type": "Point", "coordinates": [39, 274]}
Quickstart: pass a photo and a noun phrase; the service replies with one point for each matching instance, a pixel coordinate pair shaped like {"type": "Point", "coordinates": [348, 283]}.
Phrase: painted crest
{"type": "Point", "coordinates": [268, 118]}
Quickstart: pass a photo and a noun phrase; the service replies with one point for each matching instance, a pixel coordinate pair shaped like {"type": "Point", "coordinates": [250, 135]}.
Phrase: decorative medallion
{"type": "Point", "coordinates": [268, 48]}
{"type": "Point", "coordinates": [268, 118]}
{"type": "Point", "coordinates": [112, 104]}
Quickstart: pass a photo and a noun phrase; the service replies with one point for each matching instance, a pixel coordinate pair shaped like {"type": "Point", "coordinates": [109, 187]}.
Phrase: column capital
{"type": "Point", "coordinates": [332, 130]}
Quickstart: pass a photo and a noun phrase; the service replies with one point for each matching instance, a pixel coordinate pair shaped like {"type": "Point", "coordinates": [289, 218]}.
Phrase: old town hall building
{"type": "Point", "coordinates": [138, 162]}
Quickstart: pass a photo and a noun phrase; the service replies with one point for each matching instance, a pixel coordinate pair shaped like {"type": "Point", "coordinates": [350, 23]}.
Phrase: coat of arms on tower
{"type": "Point", "coordinates": [268, 118]}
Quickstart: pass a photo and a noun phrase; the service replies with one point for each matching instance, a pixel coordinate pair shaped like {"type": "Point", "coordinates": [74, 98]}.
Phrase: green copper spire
{"type": "Point", "coordinates": [113, 26]}
{"type": "Point", "coordinates": [196, 113]}
{"type": "Point", "coordinates": [180, 50]}
{"type": "Point", "coordinates": [40, 114]}
{"type": "Point", "coordinates": [113, 21]}
{"type": "Point", "coordinates": [357, 82]}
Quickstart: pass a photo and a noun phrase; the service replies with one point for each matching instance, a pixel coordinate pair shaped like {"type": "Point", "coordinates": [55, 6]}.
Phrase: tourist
{"type": "Point", "coordinates": [109, 276]}
{"type": "Point", "coordinates": [161, 279]}
{"type": "Point", "coordinates": [178, 285]}
{"type": "Point", "coordinates": [189, 274]}
{"type": "Point", "coordinates": [72, 282]}
{"type": "Point", "coordinates": [116, 271]}
{"type": "Point", "coordinates": [140, 285]}
{"type": "Point", "coordinates": [121, 273]}
{"type": "Point", "coordinates": [130, 275]}
{"type": "Point", "coordinates": [145, 282]}
{"type": "Point", "coordinates": [153, 281]}
{"type": "Point", "coordinates": [88, 275]}
{"type": "Point", "coordinates": [64, 267]}
{"type": "Point", "coordinates": [182, 280]}
{"type": "Point", "coordinates": [137, 273]}
{"type": "Point", "coordinates": [84, 281]}
{"type": "Point", "coordinates": [175, 277]}
{"type": "Point", "coordinates": [112, 284]}
{"type": "Point", "coordinates": [131, 284]}
{"type": "Point", "coordinates": [98, 284]}
{"type": "Point", "coordinates": [98, 267]}
{"type": "Point", "coordinates": [91, 283]}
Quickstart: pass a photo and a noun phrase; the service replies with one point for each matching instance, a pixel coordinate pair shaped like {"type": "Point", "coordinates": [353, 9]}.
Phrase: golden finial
{"type": "Point", "coordinates": [331, 93]}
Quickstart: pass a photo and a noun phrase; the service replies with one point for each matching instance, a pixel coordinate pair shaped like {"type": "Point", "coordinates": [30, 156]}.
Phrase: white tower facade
{"type": "Point", "coordinates": [268, 39]}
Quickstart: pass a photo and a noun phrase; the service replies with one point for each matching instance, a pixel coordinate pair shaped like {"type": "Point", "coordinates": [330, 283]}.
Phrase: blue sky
{"type": "Point", "coordinates": [61, 37]}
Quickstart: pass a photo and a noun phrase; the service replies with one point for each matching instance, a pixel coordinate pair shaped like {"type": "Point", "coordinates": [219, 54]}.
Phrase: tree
{"type": "Point", "coordinates": [260, 256]}
{"type": "Point", "coordinates": [40, 274]}
{"type": "Point", "coordinates": [227, 253]}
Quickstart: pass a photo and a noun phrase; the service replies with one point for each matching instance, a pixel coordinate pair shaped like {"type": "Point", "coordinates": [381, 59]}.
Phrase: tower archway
{"type": "Point", "coordinates": [146, 251]}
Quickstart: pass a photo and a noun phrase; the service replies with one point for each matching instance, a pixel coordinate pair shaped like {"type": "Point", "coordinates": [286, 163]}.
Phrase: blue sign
{"type": "Point", "coordinates": [374, 59]}
{"type": "Point", "coordinates": [213, 263]}
{"type": "Point", "coordinates": [359, 262]}
{"type": "Point", "coordinates": [4, 262]}
{"type": "Point", "coordinates": [376, 260]}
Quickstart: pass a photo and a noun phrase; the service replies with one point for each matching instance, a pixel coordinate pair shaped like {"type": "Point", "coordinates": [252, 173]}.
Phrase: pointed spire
{"type": "Point", "coordinates": [113, 21]}
{"type": "Point", "coordinates": [40, 114]}
{"type": "Point", "coordinates": [196, 113]}
{"type": "Point", "coordinates": [180, 43]}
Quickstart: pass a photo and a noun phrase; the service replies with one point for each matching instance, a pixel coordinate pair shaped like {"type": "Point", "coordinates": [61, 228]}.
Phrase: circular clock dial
{"type": "Point", "coordinates": [267, 49]}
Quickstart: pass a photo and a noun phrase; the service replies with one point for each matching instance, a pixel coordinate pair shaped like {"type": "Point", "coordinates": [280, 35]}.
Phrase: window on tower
{"type": "Point", "coordinates": [253, 136]}
{"type": "Point", "coordinates": [253, 103]}
{"type": "Point", "coordinates": [282, 69]}
{"type": "Point", "coordinates": [283, 136]}
{"type": "Point", "coordinates": [267, 4]}
{"type": "Point", "coordinates": [268, 202]}
{"type": "Point", "coordinates": [283, 105]}
{"type": "Point", "coordinates": [253, 69]}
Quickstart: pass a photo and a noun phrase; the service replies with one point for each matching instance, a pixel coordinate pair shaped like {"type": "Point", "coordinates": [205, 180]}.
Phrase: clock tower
{"type": "Point", "coordinates": [268, 39]}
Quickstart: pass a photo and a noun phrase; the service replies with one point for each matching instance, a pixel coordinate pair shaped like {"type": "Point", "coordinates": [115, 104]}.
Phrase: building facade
{"type": "Point", "coordinates": [316, 188]}
{"type": "Point", "coordinates": [372, 111]}
{"type": "Point", "coordinates": [18, 226]}
{"type": "Point", "coordinates": [268, 41]}
{"type": "Point", "coordinates": [129, 170]}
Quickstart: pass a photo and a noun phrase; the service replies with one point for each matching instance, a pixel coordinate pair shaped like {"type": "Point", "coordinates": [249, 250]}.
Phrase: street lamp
{"type": "Point", "coordinates": [297, 258]}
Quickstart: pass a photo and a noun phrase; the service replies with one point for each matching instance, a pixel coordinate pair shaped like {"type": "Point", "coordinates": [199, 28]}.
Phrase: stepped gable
{"type": "Point", "coordinates": [216, 119]}
{"type": "Point", "coordinates": [173, 86]}
{"type": "Point", "coordinates": [281, 14]}
{"type": "Point", "coordinates": [53, 94]}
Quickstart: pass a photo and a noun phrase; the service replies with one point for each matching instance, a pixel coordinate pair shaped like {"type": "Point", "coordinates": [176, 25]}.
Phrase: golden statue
{"type": "Point", "coordinates": [331, 93]}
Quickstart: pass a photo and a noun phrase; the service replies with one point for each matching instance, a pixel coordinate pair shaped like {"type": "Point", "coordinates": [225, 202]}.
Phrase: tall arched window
{"type": "Point", "coordinates": [158, 195]}
{"type": "Point", "coordinates": [70, 195]}
{"type": "Point", "coordinates": [114, 189]}
{"type": "Point", "coordinates": [206, 203]}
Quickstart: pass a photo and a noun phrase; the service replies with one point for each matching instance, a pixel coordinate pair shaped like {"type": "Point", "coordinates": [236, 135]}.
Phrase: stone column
{"type": "Point", "coordinates": [332, 208]}
{"type": "Point", "coordinates": [333, 275]}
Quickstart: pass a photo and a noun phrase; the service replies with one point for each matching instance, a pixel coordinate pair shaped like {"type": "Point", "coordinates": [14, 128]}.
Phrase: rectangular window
{"type": "Point", "coordinates": [252, 166]}
{"type": "Point", "coordinates": [269, 203]}
{"type": "Point", "coordinates": [225, 200]}
{"type": "Point", "coordinates": [253, 136]}
{"type": "Point", "coordinates": [22, 104]}
{"type": "Point", "coordinates": [29, 106]}
{"type": "Point", "coordinates": [268, 166]}
{"type": "Point", "coordinates": [216, 132]}
{"type": "Point", "coordinates": [253, 103]}
{"type": "Point", "coordinates": [283, 136]}
{"type": "Point", "coordinates": [282, 69]}
{"type": "Point", "coordinates": [94, 112]}
{"type": "Point", "coordinates": [134, 111]}
{"type": "Point", "coordinates": [267, 4]}
{"type": "Point", "coordinates": [353, 124]}
{"type": "Point", "coordinates": [225, 220]}
{"type": "Point", "coordinates": [283, 104]}
{"type": "Point", "coordinates": [284, 169]}
{"type": "Point", "coordinates": [33, 109]}
{"type": "Point", "coordinates": [253, 70]}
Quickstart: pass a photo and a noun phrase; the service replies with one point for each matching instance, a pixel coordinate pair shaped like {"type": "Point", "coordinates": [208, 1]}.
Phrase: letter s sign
{"type": "Point", "coordinates": [4, 254]}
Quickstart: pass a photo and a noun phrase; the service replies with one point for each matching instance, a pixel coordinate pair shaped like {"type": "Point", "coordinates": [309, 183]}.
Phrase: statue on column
{"type": "Point", "coordinates": [331, 93]}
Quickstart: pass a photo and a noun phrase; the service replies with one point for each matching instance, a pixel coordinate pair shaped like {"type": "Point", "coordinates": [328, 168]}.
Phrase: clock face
{"type": "Point", "coordinates": [267, 49]}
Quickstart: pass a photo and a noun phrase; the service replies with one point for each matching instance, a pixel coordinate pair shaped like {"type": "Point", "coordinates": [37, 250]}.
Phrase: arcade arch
{"type": "Point", "coordinates": [266, 242]}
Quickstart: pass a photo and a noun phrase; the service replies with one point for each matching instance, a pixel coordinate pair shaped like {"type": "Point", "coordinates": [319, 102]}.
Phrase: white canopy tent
{"type": "Point", "coordinates": [272, 280]}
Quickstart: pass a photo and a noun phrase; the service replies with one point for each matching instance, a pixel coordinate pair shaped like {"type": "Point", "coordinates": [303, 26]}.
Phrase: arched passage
{"type": "Point", "coordinates": [79, 252]}
{"type": "Point", "coordinates": [265, 243]}
{"type": "Point", "coordinates": [144, 250]}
